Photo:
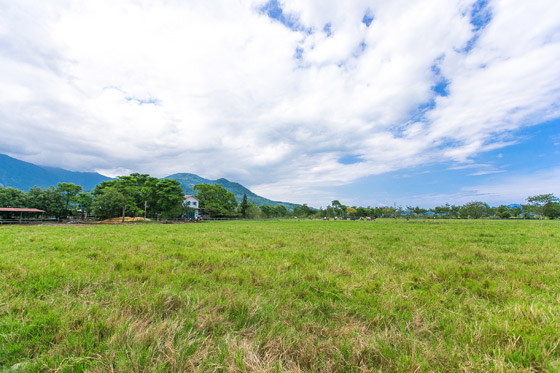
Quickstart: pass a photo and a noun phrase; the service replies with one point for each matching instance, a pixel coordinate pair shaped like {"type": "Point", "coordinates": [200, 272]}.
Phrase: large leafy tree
{"type": "Point", "coordinates": [170, 198]}
{"type": "Point", "coordinates": [274, 212]}
{"type": "Point", "coordinates": [215, 200]}
{"type": "Point", "coordinates": [108, 202]}
{"type": "Point", "coordinates": [146, 195]}
{"type": "Point", "coordinates": [50, 200]}
{"type": "Point", "coordinates": [538, 202]}
{"type": "Point", "coordinates": [474, 210]}
{"type": "Point", "coordinates": [106, 191]}
{"type": "Point", "coordinates": [551, 210]}
{"type": "Point", "coordinates": [70, 191]}
{"type": "Point", "coordinates": [84, 201]}
{"type": "Point", "coordinates": [302, 211]}
{"type": "Point", "coordinates": [10, 197]}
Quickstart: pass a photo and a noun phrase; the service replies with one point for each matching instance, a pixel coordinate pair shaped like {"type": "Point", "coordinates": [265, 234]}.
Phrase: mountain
{"type": "Point", "coordinates": [24, 176]}
{"type": "Point", "coordinates": [188, 181]}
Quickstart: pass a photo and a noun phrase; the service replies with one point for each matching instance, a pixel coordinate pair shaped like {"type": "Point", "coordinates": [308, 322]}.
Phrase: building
{"type": "Point", "coordinates": [192, 204]}
{"type": "Point", "coordinates": [20, 215]}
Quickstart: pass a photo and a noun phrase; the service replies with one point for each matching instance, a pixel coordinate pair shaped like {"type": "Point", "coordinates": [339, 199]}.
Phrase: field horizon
{"type": "Point", "coordinates": [281, 295]}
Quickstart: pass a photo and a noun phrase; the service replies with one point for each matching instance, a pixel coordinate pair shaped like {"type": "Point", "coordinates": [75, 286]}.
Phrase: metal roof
{"type": "Point", "coordinates": [13, 209]}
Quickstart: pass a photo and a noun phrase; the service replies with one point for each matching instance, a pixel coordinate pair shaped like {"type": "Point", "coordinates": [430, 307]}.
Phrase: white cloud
{"type": "Point", "coordinates": [215, 88]}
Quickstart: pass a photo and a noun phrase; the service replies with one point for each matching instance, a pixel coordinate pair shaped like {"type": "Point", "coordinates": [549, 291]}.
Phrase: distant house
{"type": "Point", "coordinates": [193, 204]}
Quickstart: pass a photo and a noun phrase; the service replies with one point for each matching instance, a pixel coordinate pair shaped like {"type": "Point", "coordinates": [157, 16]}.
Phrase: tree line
{"type": "Point", "coordinates": [142, 195]}
{"type": "Point", "coordinates": [132, 195]}
{"type": "Point", "coordinates": [539, 206]}
{"type": "Point", "coordinates": [219, 203]}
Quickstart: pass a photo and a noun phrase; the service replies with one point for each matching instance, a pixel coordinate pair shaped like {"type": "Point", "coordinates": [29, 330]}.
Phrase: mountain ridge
{"type": "Point", "coordinates": [188, 181]}
{"type": "Point", "coordinates": [23, 175]}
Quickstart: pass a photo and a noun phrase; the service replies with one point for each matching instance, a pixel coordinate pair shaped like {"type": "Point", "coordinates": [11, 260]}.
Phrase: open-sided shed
{"type": "Point", "coordinates": [10, 214]}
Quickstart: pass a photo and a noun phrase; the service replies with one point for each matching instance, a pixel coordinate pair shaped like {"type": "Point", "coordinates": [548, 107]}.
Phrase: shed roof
{"type": "Point", "coordinates": [14, 209]}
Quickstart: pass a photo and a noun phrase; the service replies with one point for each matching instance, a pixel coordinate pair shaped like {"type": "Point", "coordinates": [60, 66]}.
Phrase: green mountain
{"type": "Point", "coordinates": [188, 181]}
{"type": "Point", "coordinates": [24, 175]}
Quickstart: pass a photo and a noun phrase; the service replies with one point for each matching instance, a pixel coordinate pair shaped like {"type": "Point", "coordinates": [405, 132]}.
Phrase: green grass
{"type": "Point", "coordinates": [285, 295]}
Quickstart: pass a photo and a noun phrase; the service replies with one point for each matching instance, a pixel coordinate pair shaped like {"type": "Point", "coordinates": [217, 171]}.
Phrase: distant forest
{"type": "Point", "coordinates": [142, 195]}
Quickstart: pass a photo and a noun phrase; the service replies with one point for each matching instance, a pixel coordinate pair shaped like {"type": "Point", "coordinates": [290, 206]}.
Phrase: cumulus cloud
{"type": "Point", "coordinates": [273, 93]}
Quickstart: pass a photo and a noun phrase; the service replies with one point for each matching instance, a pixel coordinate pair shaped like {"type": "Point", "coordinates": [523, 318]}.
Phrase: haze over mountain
{"type": "Point", "coordinates": [22, 175]}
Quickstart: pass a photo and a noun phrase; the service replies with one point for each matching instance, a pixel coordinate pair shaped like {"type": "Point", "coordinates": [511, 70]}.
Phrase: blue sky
{"type": "Point", "coordinates": [416, 102]}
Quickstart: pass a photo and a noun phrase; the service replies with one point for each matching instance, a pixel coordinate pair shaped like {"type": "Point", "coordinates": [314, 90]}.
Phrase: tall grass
{"type": "Point", "coordinates": [276, 296]}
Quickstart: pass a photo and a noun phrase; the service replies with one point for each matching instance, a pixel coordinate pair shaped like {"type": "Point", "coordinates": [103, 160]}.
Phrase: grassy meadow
{"type": "Point", "coordinates": [281, 296]}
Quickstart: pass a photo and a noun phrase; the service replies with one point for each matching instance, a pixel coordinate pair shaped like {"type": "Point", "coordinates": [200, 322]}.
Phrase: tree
{"type": "Point", "coordinates": [267, 211]}
{"type": "Point", "coordinates": [252, 211]}
{"type": "Point", "coordinates": [339, 208]}
{"type": "Point", "coordinates": [49, 200]}
{"type": "Point", "coordinates": [170, 198]}
{"type": "Point", "coordinates": [70, 191]}
{"type": "Point", "coordinates": [302, 211]}
{"type": "Point", "coordinates": [515, 211]}
{"type": "Point", "coordinates": [84, 201]}
{"type": "Point", "coordinates": [108, 202]}
{"type": "Point", "coordinates": [243, 206]}
{"type": "Point", "coordinates": [473, 210]}
{"type": "Point", "coordinates": [538, 202]}
{"type": "Point", "coordinates": [10, 197]}
{"type": "Point", "coordinates": [215, 200]}
{"type": "Point", "coordinates": [351, 211]}
{"type": "Point", "coordinates": [146, 195]}
{"type": "Point", "coordinates": [503, 212]}
{"type": "Point", "coordinates": [551, 210]}
{"type": "Point", "coordinates": [389, 212]}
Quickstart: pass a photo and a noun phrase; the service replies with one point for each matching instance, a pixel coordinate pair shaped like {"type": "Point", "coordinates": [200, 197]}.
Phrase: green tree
{"type": "Point", "coordinates": [50, 200]}
{"type": "Point", "coordinates": [515, 212]}
{"type": "Point", "coordinates": [551, 210]}
{"type": "Point", "coordinates": [302, 211]}
{"type": "Point", "coordinates": [252, 211]}
{"type": "Point", "coordinates": [10, 197]}
{"type": "Point", "coordinates": [339, 208]}
{"type": "Point", "coordinates": [538, 202]}
{"type": "Point", "coordinates": [267, 211]}
{"type": "Point", "coordinates": [215, 200]}
{"type": "Point", "coordinates": [351, 211]}
{"type": "Point", "coordinates": [503, 212]}
{"type": "Point", "coordinates": [108, 203]}
{"type": "Point", "coordinates": [127, 191]}
{"type": "Point", "coordinates": [70, 191]}
{"type": "Point", "coordinates": [243, 206]}
{"type": "Point", "coordinates": [281, 211]}
{"type": "Point", "coordinates": [146, 195]}
{"type": "Point", "coordinates": [474, 210]}
{"type": "Point", "coordinates": [389, 212]}
{"type": "Point", "coordinates": [170, 198]}
{"type": "Point", "coordinates": [84, 201]}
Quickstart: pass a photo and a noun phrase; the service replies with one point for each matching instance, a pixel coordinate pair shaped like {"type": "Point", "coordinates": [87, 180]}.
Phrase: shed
{"type": "Point", "coordinates": [16, 213]}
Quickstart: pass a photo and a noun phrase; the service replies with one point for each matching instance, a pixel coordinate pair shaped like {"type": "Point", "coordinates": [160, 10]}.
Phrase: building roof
{"type": "Point", "coordinates": [14, 209]}
{"type": "Point", "coordinates": [191, 196]}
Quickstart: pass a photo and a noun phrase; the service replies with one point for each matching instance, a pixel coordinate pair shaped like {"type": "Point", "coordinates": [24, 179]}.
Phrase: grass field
{"type": "Point", "coordinates": [284, 295]}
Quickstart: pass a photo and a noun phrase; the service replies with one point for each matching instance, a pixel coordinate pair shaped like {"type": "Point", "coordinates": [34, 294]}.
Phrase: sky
{"type": "Point", "coordinates": [370, 102]}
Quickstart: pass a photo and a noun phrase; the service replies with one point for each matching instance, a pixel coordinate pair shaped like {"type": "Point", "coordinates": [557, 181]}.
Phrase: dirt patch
{"type": "Point", "coordinates": [120, 220]}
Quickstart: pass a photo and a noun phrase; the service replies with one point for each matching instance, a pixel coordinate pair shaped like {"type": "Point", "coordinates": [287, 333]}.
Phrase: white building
{"type": "Point", "coordinates": [193, 203]}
